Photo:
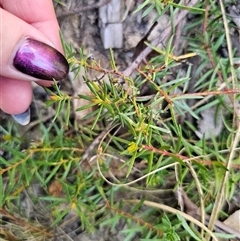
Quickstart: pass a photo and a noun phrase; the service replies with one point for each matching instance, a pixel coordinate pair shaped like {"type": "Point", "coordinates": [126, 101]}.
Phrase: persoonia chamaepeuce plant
{"type": "Point", "coordinates": [141, 166]}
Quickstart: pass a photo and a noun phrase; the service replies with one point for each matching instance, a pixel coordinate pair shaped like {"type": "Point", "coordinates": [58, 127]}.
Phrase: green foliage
{"type": "Point", "coordinates": [154, 141]}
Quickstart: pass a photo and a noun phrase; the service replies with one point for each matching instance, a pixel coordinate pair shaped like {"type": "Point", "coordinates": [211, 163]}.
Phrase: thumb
{"type": "Point", "coordinates": [27, 54]}
{"type": "Point", "coordinates": [15, 95]}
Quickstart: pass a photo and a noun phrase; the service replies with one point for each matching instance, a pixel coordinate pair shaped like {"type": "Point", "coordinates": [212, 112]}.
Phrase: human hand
{"type": "Point", "coordinates": [28, 29]}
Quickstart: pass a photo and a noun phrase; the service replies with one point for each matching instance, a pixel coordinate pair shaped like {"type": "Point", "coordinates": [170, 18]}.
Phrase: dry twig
{"type": "Point", "coordinates": [192, 210]}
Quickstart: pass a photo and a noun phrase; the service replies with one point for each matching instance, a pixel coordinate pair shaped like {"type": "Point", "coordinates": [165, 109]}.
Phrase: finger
{"type": "Point", "coordinates": [39, 14]}
{"type": "Point", "coordinates": [27, 53]}
{"type": "Point", "coordinates": [15, 95]}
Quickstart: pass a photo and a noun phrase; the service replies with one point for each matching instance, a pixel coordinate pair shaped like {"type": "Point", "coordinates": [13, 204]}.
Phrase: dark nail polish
{"type": "Point", "coordinates": [23, 118]}
{"type": "Point", "coordinates": [40, 60]}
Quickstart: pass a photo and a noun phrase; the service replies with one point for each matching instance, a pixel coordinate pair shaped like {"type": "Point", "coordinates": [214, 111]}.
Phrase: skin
{"type": "Point", "coordinates": [20, 19]}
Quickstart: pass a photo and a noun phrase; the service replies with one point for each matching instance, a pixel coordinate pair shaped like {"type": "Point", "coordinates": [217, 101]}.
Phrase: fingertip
{"type": "Point", "coordinates": [39, 14]}
{"type": "Point", "coordinates": [15, 95]}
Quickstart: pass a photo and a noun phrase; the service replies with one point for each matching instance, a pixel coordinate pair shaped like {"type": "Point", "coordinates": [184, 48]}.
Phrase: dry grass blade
{"type": "Point", "coordinates": [235, 139]}
{"type": "Point", "coordinates": [175, 211]}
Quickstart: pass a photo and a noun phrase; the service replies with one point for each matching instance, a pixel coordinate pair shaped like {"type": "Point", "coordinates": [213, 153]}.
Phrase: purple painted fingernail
{"type": "Point", "coordinates": [40, 60]}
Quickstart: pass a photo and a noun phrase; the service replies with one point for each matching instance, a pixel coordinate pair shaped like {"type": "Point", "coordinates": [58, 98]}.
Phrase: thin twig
{"type": "Point", "coordinates": [22, 223]}
{"type": "Point", "coordinates": [193, 210]}
{"type": "Point", "coordinates": [175, 211]}
{"type": "Point", "coordinates": [199, 189]}
{"type": "Point", "coordinates": [97, 140]}
{"type": "Point", "coordinates": [235, 138]}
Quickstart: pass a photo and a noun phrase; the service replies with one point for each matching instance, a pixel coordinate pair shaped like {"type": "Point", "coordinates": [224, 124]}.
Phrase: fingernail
{"type": "Point", "coordinates": [23, 118]}
{"type": "Point", "coordinates": [40, 60]}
